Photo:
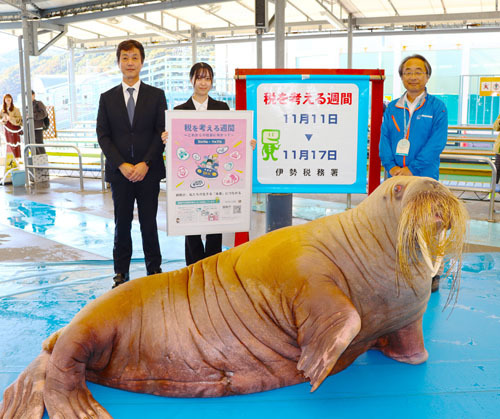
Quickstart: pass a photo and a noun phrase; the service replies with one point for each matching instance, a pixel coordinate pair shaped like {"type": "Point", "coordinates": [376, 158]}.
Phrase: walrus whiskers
{"type": "Point", "coordinates": [432, 224]}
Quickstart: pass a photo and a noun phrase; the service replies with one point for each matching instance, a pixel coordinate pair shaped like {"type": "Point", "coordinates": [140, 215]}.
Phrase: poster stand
{"type": "Point", "coordinates": [377, 77]}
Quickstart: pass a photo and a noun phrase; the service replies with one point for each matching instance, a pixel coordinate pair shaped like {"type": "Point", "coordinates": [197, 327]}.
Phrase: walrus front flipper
{"type": "Point", "coordinates": [327, 323]}
{"type": "Point", "coordinates": [24, 397]}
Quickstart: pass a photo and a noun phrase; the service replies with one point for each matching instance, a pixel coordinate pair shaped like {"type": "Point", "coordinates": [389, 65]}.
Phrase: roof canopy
{"type": "Point", "coordinates": [92, 24]}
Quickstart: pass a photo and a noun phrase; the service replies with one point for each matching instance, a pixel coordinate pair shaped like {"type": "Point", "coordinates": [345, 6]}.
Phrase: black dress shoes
{"type": "Point", "coordinates": [120, 279]}
{"type": "Point", "coordinates": [158, 271]}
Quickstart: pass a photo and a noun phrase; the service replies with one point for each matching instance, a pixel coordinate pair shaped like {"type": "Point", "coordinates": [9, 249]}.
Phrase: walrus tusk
{"type": "Point", "coordinates": [433, 267]}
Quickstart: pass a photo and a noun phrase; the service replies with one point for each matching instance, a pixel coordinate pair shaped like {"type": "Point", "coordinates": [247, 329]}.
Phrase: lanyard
{"type": "Point", "coordinates": [405, 126]}
{"type": "Point", "coordinates": [404, 149]}
{"type": "Point", "coordinates": [412, 107]}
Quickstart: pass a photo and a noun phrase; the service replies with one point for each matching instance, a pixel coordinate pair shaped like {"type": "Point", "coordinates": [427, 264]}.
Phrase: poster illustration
{"type": "Point", "coordinates": [209, 171]}
{"type": "Point", "coordinates": [311, 132]}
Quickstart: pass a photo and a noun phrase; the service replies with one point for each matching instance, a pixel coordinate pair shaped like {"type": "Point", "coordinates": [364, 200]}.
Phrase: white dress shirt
{"type": "Point", "coordinates": [416, 102]}
{"type": "Point", "coordinates": [201, 106]}
{"type": "Point", "coordinates": [126, 94]}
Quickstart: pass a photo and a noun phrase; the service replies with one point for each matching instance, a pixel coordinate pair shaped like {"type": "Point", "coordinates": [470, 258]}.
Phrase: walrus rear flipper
{"type": "Point", "coordinates": [66, 394]}
{"type": "Point", "coordinates": [24, 397]}
{"type": "Point", "coordinates": [328, 322]}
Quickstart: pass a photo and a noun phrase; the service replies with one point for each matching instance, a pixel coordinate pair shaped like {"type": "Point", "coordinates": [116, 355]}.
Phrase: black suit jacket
{"type": "Point", "coordinates": [141, 141]}
{"type": "Point", "coordinates": [212, 105]}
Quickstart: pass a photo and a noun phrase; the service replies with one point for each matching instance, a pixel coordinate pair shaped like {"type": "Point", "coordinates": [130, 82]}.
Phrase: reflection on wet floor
{"type": "Point", "coordinates": [82, 231]}
{"type": "Point", "coordinates": [94, 234]}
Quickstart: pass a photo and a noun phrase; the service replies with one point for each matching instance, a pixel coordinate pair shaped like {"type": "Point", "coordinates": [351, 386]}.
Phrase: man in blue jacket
{"type": "Point", "coordinates": [415, 127]}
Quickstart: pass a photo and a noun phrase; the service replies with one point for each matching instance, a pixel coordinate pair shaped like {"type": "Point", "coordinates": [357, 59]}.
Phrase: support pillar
{"type": "Point", "coordinates": [375, 129]}
{"type": "Point", "coordinates": [258, 40]}
{"type": "Point", "coordinates": [349, 42]}
{"type": "Point", "coordinates": [72, 83]}
{"type": "Point", "coordinates": [279, 34]}
{"type": "Point", "coordinates": [349, 65]}
{"type": "Point", "coordinates": [23, 87]}
{"type": "Point", "coordinates": [278, 211]}
{"type": "Point", "coordinates": [279, 206]}
{"type": "Point", "coordinates": [27, 47]}
{"type": "Point", "coordinates": [194, 46]}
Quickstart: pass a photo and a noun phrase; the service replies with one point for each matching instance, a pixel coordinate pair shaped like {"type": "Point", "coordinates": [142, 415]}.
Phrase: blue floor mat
{"type": "Point", "coordinates": [461, 379]}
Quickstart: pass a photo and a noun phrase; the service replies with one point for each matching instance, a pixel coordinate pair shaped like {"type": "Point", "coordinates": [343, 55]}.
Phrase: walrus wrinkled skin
{"type": "Point", "coordinates": [296, 304]}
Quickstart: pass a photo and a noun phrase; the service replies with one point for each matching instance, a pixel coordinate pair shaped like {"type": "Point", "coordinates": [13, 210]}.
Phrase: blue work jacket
{"type": "Point", "coordinates": [427, 132]}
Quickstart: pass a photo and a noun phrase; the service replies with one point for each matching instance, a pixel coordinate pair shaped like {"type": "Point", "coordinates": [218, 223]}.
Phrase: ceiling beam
{"type": "Point", "coordinates": [100, 36]}
{"type": "Point", "coordinates": [422, 19]}
{"type": "Point", "coordinates": [299, 10]}
{"type": "Point", "coordinates": [394, 8]}
{"type": "Point", "coordinates": [112, 39]}
{"type": "Point", "coordinates": [245, 6]}
{"type": "Point", "coordinates": [328, 33]}
{"type": "Point", "coordinates": [334, 20]}
{"type": "Point", "coordinates": [97, 6]}
{"type": "Point", "coordinates": [360, 22]}
{"type": "Point", "coordinates": [16, 4]}
{"type": "Point", "coordinates": [114, 26]}
{"type": "Point", "coordinates": [210, 12]}
{"type": "Point", "coordinates": [179, 19]}
{"type": "Point", "coordinates": [157, 28]}
{"type": "Point", "coordinates": [444, 6]}
{"type": "Point", "coordinates": [130, 10]}
{"type": "Point", "coordinates": [21, 6]}
{"type": "Point", "coordinates": [268, 37]}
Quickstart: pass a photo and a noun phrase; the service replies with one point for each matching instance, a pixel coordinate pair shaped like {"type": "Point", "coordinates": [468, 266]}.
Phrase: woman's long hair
{"type": "Point", "coordinates": [4, 107]}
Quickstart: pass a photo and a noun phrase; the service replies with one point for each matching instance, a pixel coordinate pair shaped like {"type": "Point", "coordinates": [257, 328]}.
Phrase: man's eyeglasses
{"type": "Point", "coordinates": [417, 73]}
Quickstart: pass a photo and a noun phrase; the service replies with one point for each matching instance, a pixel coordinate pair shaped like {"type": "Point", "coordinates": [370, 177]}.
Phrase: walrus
{"type": "Point", "coordinates": [296, 304]}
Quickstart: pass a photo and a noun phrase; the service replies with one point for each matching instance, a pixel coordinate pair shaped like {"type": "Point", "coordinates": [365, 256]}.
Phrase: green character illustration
{"type": "Point", "coordinates": [270, 143]}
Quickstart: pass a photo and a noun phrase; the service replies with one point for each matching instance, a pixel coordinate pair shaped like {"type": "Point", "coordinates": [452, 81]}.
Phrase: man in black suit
{"type": "Point", "coordinates": [130, 120]}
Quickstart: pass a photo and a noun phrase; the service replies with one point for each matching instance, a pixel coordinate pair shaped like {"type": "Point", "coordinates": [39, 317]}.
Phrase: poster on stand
{"type": "Point", "coordinates": [209, 171]}
{"type": "Point", "coordinates": [311, 132]}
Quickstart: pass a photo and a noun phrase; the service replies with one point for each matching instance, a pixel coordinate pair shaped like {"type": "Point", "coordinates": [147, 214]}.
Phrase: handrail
{"type": "Point", "coordinates": [27, 149]}
{"type": "Point", "coordinates": [471, 152]}
{"type": "Point", "coordinates": [471, 139]}
{"type": "Point", "coordinates": [471, 127]}
{"type": "Point", "coordinates": [476, 159]}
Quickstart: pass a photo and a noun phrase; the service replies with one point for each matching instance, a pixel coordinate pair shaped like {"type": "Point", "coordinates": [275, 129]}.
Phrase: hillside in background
{"type": "Point", "coordinates": [50, 63]}
{"type": "Point", "coordinates": [10, 82]}
{"type": "Point", "coordinates": [9, 73]}
{"type": "Point", "coordinates": [55, 62]}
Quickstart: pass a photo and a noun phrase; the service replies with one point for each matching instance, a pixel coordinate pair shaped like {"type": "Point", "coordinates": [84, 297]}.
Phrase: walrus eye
{"type": "Point", "coordinates": [398, 189]}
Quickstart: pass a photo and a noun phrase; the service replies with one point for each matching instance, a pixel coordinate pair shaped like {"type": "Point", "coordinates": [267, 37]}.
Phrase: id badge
{"type": "Point", "coordinates": [403, 147]}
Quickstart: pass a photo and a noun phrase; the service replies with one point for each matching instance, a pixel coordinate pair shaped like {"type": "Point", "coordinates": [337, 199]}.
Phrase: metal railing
{"type": "Point", "coordinates": [51, 166]}
{"type": "Point", "coordinates": [460, 158]}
